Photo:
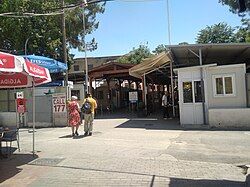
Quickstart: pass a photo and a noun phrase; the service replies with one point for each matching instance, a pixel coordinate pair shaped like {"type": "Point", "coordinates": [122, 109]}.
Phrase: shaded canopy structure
{"type": "Point", "coordinates": [155, 70]}
{"type": "Point", "coordinates": [151, 64]}
{"type": "Point", "coordinates": [221, 54]}
{"type": "Point", "coordinates": [112, 71]}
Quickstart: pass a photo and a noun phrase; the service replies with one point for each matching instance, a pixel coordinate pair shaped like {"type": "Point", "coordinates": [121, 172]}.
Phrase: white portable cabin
{"type": "Point", "coordinates": [225, 100]}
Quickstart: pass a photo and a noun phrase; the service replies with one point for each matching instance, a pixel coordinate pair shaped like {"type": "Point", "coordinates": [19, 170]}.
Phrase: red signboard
{"type": "Point", "coordinates": [35, 70]}
{"type": "Point", "coordinates": [13, 79]}
{"type": "Point", "coordinates": [7, 61]}
{"type": "Point", "coordinates": [21, 105]}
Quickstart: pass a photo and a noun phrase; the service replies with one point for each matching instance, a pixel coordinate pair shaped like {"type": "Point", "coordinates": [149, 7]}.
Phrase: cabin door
{"type": "Point", "coordinates": [191, 111]}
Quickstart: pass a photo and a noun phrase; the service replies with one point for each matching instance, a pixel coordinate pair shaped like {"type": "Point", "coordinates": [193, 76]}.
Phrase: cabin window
{"type": "Point", "coordinates": [197, 91]}
{"type": "Point", "coordinates": [224, 85]}
{"type": "Point", "coordinates": [187, 92]}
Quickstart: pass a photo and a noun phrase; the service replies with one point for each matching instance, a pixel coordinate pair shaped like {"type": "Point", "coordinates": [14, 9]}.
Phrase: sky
{"type": "Point", "coordinates": [129, 23]}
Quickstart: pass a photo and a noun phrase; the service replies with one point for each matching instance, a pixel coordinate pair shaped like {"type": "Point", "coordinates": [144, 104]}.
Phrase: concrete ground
{"type": "Point", "coordinates": [129, 152]}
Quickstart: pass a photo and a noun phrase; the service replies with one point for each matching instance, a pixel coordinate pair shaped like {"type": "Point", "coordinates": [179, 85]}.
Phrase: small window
{"type": "Point", "coordinates": [187, 92]}
{"type": "Point", "coordinates": [224, 85]}
{"type": "Point", "coordinates": [228, 85]}
{"type": "Point", "coordinates": [76, 68]}
{"type": "Point", "coordinates": [197, 91]}
{"type": "Point", "coordinates": [219, 86]}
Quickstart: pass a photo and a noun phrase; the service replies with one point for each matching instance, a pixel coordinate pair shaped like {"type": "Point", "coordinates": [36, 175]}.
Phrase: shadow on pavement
{"type": "Point", "coordinates": [9, 166]}
{"type": "Point", "coordinates": [248, 180]}
{"type": "Point", "coordinates": [151, 124]}
{"type": "Point", "coordinates": [73, 137]}
{"type": "Point", "coordinates": [178, 182]}
{"type": "Point", "coordinates": [66, 136]}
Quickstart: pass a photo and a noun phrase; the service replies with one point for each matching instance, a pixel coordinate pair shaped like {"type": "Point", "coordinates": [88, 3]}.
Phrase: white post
{"type": "Point", "coordinates": [171, 63]}
{"type": "Point", "coordinates": [145, 90]}
{"type": "Point", "coordinates": [33, 114]}
{"type": "Point", "coordinates": [169, 40]}
{"type": "Point", "coordinates": [172, 86]}
{"type": "Point", "coordinates": [202, 89]}
{"type": "Point", "coordinates": [85, 52]}
{"type": "Point", "coordinates": [25, 46]}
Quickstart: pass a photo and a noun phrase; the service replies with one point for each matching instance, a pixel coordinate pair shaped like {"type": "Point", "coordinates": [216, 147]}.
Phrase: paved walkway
{"type": "Point", "coordinates": [125, 152]}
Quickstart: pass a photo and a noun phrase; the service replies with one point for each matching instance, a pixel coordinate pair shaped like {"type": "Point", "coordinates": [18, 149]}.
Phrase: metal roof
{"type": "Point", "coordinates": [229, 53]}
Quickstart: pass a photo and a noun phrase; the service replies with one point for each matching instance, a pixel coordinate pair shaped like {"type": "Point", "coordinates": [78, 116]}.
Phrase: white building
{"type": "Point", "coordinates": [225, 100]}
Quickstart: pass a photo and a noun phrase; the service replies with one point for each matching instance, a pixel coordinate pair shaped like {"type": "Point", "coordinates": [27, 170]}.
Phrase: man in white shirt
{"type": "Point", "coordinates": [165, 105]}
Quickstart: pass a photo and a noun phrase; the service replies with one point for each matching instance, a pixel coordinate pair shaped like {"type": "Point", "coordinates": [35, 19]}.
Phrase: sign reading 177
{"type": "Point", "coordinates": [59, 104]}
{"type": "Point", "coordinates": [59, 108]}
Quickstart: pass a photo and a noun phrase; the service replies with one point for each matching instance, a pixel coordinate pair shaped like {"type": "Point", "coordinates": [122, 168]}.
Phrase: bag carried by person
{"type": "Point", "coordinates": [87, 107]}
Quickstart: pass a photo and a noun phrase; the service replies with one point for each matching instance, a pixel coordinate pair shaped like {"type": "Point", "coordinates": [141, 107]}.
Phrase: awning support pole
{"type": "Point", "coordinates": [202, 88]}
{"type": "Point", "coordinates": [145, 90]}
{"type": "Point", "coordinates": [172, 86]}
{"type": "Point", "coordinates": [33, 115]}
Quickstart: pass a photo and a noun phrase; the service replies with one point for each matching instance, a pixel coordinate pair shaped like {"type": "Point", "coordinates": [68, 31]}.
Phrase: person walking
{"type": "Point", "coordinates": [88, 107]}
{"type": "Point", "coordinates": [165, 105]}
{"type": "Point", "coordinates": [74, 116]}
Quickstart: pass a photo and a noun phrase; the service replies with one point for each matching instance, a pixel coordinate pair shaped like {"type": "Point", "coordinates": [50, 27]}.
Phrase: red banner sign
{"type": "Point", "coordinates": [13, 79]}
{"type": "Point", "coordinates": [21, 105]}
{"type": "Point", "coordinates": [7, 61]}
{"type": "Point", "coordinates": [35, 70]}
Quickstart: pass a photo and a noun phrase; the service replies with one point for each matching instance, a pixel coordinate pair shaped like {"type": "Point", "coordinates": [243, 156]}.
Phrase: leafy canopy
{"type": "Point", "coordinates": [44, 32]}
{"type": "Point", "coordinates": [136, 55]}
{"type": "Point", "coordinates": [234, 6]}
{"type": "Point", "coordinates": [221, 33]}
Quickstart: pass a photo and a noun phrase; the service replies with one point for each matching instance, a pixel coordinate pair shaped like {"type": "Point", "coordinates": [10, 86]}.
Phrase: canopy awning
{"type": "Point", "coordinates": [52, 65]}
{"type": "Point", "coordinates": [150, 64]}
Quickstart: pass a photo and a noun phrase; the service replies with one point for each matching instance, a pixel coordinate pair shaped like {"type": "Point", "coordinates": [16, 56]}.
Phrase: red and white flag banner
{"type": "Point", "coordinates": [16, 72]}
{"type": "Point", "coordinates": [11, 63]}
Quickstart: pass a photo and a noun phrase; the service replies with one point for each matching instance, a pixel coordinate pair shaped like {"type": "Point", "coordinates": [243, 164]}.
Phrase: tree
{"type": "Point", "coordinates": [217, 33]}
{"type": "Point", "coordinates": [234, 6]}
{"type": "Point", "coordinates": [136, 55]}
{"type": "Point", "coordinates": [160, 48]}
{"type": "Point", "coordinates": [243, 32]}
{"type": "Point", "coordinates": [183, 43]}
{"type": "Point", "coordinates": [45, 31]}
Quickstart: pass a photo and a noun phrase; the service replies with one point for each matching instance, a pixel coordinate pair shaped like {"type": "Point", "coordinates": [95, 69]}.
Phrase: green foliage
{"type": "Point", "coordinates": [183, 43]}
{"type": "Point", "coordinates": [234, 7]}
{"type": "Point", "coordinates": [45, 31]}
{"type": "Point", "coordinates": [136, 55]}
{"type": "Point", "coordinates": [217, 33]}
{"type": "Point", "coordinates": [243, 32]}
{"type": "Point", "coordinates": [223, 33]}
{"type": "Point", "coordinates": [160, 48]}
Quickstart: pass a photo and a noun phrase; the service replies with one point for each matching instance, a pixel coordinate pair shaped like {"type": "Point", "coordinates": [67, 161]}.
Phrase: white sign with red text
{"type": "Point", "coordinates": [59, 103]}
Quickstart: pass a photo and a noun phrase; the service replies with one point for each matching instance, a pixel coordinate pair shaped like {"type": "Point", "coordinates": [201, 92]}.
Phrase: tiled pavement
{"type": "Point", "coordinates": [113, 157]}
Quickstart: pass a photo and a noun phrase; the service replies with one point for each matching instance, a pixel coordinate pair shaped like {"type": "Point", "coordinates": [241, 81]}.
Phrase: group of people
{"type": "Point", "coordinates": [77, 113]}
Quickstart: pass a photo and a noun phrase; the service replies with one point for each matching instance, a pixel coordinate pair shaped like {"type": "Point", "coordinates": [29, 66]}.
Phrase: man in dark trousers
{"type": "Point", "coordinates": [88, 108]}
{"type": "Point", "coordinates": [165, 105]}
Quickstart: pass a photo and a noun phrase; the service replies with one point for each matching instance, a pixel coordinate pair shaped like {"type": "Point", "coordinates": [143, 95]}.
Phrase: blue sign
{"type": "Point", "coordinates": [53, 84]}
{"type": "Point", "coordinates": [52, 65]}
